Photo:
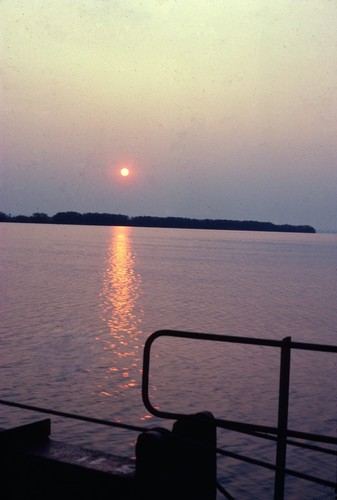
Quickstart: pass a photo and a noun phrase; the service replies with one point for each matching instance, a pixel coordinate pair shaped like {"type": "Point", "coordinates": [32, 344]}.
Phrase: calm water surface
{"type": "Point", "coordinates": [77, 304]}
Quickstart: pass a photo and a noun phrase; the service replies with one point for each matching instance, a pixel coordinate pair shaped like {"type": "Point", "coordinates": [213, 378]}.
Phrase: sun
{"type": "Point", "coordinates": [125, 171]}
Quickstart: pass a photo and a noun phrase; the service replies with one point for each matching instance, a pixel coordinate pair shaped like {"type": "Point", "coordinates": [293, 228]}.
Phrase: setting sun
{"type": "Point", "coordinates": [125, 172]}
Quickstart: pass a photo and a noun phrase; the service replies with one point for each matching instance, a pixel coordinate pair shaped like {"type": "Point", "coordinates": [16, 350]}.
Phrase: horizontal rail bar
{"type": "Point", "coordinates": [270, 437]}
{"type": "Point", "coordinates": [238, 340]}
{"type": "Point", "coordinates": [267, 465]}
{"type": "Point", "coordinates": [328, 451]}
{"type": "Point", "coordinates": [73, 416]}
{"type": "Point", "coordinates": [253, 428]}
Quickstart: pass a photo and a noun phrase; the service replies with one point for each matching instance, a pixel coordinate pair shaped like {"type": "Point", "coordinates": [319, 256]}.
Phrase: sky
{"type": "Point", "coordinates": [220, 109]}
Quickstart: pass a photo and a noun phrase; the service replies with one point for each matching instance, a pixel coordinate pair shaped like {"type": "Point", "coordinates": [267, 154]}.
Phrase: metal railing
{"type": "Point", "coordinates": [281, 433]}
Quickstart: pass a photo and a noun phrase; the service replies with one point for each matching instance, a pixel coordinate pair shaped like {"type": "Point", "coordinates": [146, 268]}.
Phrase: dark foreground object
{"type": "Point", "coordinates": [168, 465]}
{"type": "Point", "coordinates": [34, 467]}
{"type": "Point", "coordinates": [181, 464]}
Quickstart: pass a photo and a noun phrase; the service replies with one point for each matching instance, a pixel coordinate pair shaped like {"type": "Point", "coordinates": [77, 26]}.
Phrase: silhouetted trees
{"type": "Point", "coordinates": [4, 217]}
{"type": "Point", "coordinates": [40, 218]}
{"type": "Point", "coordinates": [105, 219]}
{"type": "Point", "coordinates": [90, 219]}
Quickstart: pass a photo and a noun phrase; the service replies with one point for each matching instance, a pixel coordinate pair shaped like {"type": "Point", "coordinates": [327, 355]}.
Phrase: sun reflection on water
{"type": "Point", "coordinates": [122, 313]}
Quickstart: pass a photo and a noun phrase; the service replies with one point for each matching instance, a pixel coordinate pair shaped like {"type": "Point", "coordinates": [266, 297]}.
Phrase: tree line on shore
{"type": "Point", "coordinates": [104, 219]}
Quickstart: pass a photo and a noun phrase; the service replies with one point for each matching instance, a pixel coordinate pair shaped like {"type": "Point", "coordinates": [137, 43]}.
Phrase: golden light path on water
{"type": "Point", "coordinates": [122, 313]}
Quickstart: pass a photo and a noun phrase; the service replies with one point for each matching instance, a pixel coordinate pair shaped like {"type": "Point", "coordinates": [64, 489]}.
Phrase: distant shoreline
{"type": "Point", "coordinates": [104, 219]}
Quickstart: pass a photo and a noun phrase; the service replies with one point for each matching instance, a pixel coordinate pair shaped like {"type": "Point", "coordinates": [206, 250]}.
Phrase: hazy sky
{"type": "Point", "coordinates": [220, 108]}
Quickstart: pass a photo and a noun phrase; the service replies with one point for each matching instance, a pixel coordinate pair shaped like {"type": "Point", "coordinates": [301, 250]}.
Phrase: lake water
{"type": "Point", "coordinates": [78, 302]}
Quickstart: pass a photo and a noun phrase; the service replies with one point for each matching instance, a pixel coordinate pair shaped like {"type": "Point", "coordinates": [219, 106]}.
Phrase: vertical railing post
{"type": "Point", "coordinates": [282, 425]}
